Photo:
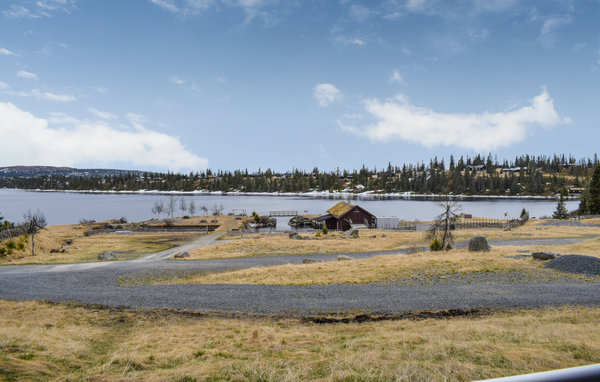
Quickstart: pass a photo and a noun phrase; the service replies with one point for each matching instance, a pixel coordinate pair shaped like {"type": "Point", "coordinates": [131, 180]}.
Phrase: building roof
{"type": "Point", "coordinates": [322, 218]}
{"type": "Point", "coordinates": [340, 209]}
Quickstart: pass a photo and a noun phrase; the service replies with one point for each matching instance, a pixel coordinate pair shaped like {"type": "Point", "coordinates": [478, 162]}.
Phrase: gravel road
{"type": "Point", "coordinates": [97, 283]}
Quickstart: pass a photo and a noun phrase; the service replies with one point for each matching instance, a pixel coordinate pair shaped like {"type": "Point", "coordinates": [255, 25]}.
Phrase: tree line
{"type": "Point", "coordinates": [478, 175]}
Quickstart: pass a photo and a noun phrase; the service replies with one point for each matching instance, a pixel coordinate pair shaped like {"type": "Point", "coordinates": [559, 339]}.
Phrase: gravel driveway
{"type": "Point", "coordinates": [97, 283]}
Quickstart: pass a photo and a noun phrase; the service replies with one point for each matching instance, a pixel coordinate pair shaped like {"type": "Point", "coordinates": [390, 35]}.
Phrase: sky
{"type": "Point", "coordinates": [185, 85]}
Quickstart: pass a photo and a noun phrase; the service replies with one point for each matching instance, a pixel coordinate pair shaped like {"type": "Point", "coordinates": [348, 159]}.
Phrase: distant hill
{"type": "Point", "coordinates": [36, 171]}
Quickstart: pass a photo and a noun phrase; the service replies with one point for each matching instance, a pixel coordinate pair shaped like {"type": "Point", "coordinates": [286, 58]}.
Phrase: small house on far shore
{"type": "Point", "coordinates": [344, 216]}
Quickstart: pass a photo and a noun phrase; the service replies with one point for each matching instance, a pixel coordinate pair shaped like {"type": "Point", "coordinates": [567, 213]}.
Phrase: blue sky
{"type": "Point", "coordinates": [187, 84]}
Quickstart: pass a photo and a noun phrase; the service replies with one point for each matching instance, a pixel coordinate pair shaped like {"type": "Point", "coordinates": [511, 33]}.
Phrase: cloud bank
{"type": "Point", "coordinates": [397, 119]}
{"type": "Point", "coordinates": [326, 94]}
{"type": "Point", "coordinates": [70, 142]}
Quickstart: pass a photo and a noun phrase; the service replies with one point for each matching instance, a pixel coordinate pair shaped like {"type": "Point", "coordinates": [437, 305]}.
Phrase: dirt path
{"type": "Point", "coordinates": [200, 242]}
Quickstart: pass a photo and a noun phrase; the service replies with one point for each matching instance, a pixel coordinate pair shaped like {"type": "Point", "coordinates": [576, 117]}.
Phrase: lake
{"type": "Point", "coordinates": [69, 207]}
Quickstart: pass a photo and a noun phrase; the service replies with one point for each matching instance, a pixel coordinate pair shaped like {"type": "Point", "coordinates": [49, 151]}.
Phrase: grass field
{"type": "Point", "coordinates": [369, 240]}
{"type": "Point", "coordinates": [422, 267]}
{"type": "Point", "coordinates": [41, 341]}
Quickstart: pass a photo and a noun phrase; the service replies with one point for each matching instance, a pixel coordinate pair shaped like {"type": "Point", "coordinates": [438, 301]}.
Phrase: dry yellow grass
{"type": "Point", "coordinates": [40, 341]}
{"type": "Point", "coordinates": [281, 244]}
{"type": "Point", "coordinates": [419, 267]}
{"type": "Point", "coordinates": [86, 248]}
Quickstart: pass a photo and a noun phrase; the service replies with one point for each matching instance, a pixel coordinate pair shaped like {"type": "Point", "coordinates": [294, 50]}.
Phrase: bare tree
{"type": "Point", "coordinates": [158, 208]}
{"type": "Point", "coordinates": [442, 226]}
{"type": "Point", "coordinates": [218, 210]}
{"type": "Point", "coordinates": [34, 222]}
{"type": "Point", "coordinates": [192, 207]}
{"type": "Point", "coordinates": [171, 204]}
{"type": "Point", "coordinates": [204, 210]}
{"type": "Point", "coordinates": [182, 205]}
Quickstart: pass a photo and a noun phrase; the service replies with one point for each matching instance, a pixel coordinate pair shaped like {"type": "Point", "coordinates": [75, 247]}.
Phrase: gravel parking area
{"type": "Point", "coordinates": [98, 283]}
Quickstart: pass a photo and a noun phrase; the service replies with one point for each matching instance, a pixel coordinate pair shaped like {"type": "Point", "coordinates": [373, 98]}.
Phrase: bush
{"type": "Point", "coordinates": [86, 233]}
{"type": "Point", "coordinates": [325, 230]}
{"type": "Point", "coordinates": [10, 245]}
{"type": "Point", "coordinates": [435, 245]}
{"type": "Point", "coordinates": [87, 221]}
{"type": "Point", "coordinates": [3, 251]}
{"type": "Point", "coordinates": [318, 234]}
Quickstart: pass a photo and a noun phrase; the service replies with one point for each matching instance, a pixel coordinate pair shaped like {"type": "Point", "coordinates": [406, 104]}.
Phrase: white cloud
{"type": "Point", "coordinates": [396, 77]}
{"type": "Point", "coordinates": [176, 80]}
{"type": "Point", "coordinates": [38, 8]}
{"type": "Point", "coordinates": [4, 86]}
{"type": "Point", "coordinates": [548, 32]}
{"type": "Point", "coordinates": [37, 93]}
{"type": "Point", "coordinates": [17, 12]}
{"type": "Point", "coordinates": [326, 94]}
{"type": "Point", "coordinates": [397, 119]}
{"type": "Point", "coordinates": [101, 90]}
{"type": "Point", "coordinates": [102, 114]}
{"type": "Point", "coordinates": [344, 40]}
{"type": "Point", "coordinates": [6, 52]}
{"type": "Point", "coordinates": [27, 75]}
{"type": "Point", "coordinates": [73, 143]}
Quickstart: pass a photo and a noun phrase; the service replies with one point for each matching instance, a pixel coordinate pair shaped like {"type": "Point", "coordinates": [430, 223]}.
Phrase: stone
{"type": "Point", "coordinates": [181, 255]}
{"type": "Point", "coordinates": [373, 237]}
{"type": "Point", "coordinates": [479, 244]}
{"type": "Point", "coordinates": [54, 250]}
{"type": "Point", "coordinates": [107, 256]}
{"type": "Point", "coordinates": [343, 258]}
{"type": "Point", "coordinates": [544, 255]}
{"type": "Point", "coordinates": [311, 261]}
{"type": "Point", "coordinates": [293, 235]}
{"type": "Point", "coordinates": [353, 233]}
{"type": "Point", "coordinates": [384, 235]}
{"type": "Point", "coordinates": [68, 242]}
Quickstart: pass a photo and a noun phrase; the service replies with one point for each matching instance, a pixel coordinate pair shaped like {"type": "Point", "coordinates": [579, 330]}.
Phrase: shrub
{"type": "Point", "coordinates": [318, 234]}
{"type": "Point", "coordinates": [10, 245]}
{"type": "Point", "coordinates": [435, 245]}
{"type": "Point", "coordinates": [325, 230]}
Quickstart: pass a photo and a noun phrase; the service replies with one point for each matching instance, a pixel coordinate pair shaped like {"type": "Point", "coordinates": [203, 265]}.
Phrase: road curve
{"type": "Point", "coordinates": [98, 283]}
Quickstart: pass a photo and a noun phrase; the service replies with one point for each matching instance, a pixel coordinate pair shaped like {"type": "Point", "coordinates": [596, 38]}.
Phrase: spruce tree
{"type": "Point", "coordinates": [594, 192]}
{"type": "Point", "coordinates": [561, 209]}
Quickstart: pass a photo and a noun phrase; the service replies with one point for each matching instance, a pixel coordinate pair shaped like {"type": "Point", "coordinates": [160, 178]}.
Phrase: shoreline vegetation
{"type": "Point", "coordinates": [526, 176]}
{"type": "Point", "coordinates": [310, 194]}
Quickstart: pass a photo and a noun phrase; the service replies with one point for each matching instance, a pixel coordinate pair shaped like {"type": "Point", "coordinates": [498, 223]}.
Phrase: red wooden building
{"type": "Point", "coordinates": [344, 215]}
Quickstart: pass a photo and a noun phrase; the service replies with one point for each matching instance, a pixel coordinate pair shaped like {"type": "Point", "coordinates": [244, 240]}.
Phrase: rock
{"type": "Point", "coordinates": [343, 258]}
{"type": "Point", "coordinates": [384, 235]}
{"type": "Point", "coordinates": [181, 255]}
{"type": "Point", "coordinates": [65, 246]}
{"type": "Point", "coordinates": [544, 255]}
{"type": "Point", "coordinates": [479, 244]}
{"type": "Point", "coordinates": [107, 256]}
{"type": "Point", "coordinates": [311, 261]}
{"type": "Point", "coordinates": [68, 242]}
{"type": "Point", "coordinates": [353, 233]}
{"type": "Point", "coordinates": [54, 250]}
{"type": "Point", "coordinates": [293, 235]}
{"type": "Point", "coordinates": [373, 237]}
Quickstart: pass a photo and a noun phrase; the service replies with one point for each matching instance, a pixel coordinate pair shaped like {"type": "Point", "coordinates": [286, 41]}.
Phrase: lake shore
{"type": "Point", "coordinates": [366, 195]}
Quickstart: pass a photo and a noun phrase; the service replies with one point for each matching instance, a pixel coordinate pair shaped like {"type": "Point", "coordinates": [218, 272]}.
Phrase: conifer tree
{"type": "Point", "coordinates": [594, 192]}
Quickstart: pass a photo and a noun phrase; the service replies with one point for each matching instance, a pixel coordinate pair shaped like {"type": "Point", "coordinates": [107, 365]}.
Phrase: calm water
{"type": "Point", "coordinates": [67, 208]}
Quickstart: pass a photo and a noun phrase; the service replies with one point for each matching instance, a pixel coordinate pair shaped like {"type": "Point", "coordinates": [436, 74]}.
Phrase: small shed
{"type": "Point", "coordinates": [388, 222]}
{"type": "Point", "coordinates": [344, 215]}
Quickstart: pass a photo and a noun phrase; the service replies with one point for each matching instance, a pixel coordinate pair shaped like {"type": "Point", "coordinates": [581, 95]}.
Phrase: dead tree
{"type": "Point", "coordinates": [32, 224]}
{"type": "Point", "coordinates": [171, 204]}
{"type": "Point", "coordinates": [192, 207]}
{"type": "Point", "coordinates": [182, 205]}
{"type": "Point", "coordinates": [158, 208]}
{"type": "Point", "coordinates": [443, 224]}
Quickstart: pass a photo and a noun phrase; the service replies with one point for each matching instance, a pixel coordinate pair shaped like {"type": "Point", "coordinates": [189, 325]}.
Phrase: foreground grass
{"type": "Point", "coordinates": [369, 240]}
{"type": "Point", "coordinates": [422, 267]}
{"type": "Point", "coordinates": [40, 341]}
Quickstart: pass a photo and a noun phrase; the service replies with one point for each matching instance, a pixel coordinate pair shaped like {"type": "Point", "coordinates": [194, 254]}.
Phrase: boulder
{"type": "Point", "coordinates": [479, 244]}
{"type": "Point", "coordinates": [343, 258]}
{"type": "Point", "coordinates": [107, 256]}
{"type": "Point", "coordinates": [544, 255]}
{"type": "Point", "coordinates": [311, 261]}
{"type": "Point", "coordinates": [353, 233]}
{"type": "Point", "coordinates": [293, 235]}
{"type": "Point", "coordinates": [384, 235]}
{"type": "Point", "coordinates": [54, 250]}
{"type": "Point", "coordinates": [181, 255]}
